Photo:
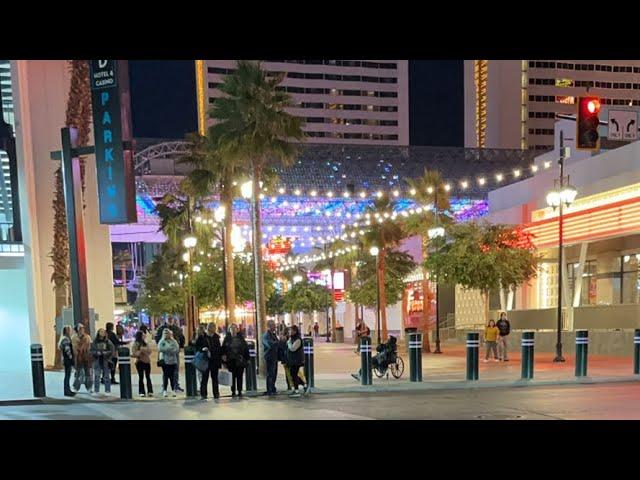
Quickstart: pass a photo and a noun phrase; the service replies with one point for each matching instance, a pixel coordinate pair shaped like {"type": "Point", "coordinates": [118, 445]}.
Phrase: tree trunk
{"type": "Point", "coordinates": [485, 296]}
{"type": "Point", "coordinates": [261, 307]}
{"type": "Point", "coordinates": [383, 296]}
{"type": "Point", "coordinates": [227, 201]}
{"type": "Point", "coordinates": [333, 305]}
{"type": "Point", "coordinates": [426, 303]}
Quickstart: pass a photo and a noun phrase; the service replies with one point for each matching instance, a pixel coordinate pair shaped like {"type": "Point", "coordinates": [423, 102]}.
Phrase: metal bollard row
{"type": "Point", "coordinates": [365, 361]}
{"type": "Point", "coordinates": [124, 368]}
{"type": "Point", "coordinates": [37, 371]}
{"type": "Point", "coordinates": [582, 352]}
{"type": "Point", "coordinates": [307, 345]}
{"type": "Point", "coordinates": [415, 357]}
{"type": "Point", "coordinates": [191, 379]}
{"type": "Point", "coordinates": [527, 343]}
{"type": "Point", "coordinates": [473, 355]}
{"type": "Point", "coordinates": [252, 379]}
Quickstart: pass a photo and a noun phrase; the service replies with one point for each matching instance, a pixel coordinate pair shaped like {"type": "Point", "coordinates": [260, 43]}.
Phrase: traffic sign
{"type": "Point", "coordinates": [623, 125]}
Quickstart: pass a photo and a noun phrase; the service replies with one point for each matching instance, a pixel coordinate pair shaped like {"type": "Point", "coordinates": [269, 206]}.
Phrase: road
{"type": "Point", "coordinates": [590, 402]}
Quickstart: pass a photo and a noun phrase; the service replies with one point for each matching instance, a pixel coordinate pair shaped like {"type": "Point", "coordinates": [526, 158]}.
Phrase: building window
{"type": "Point", "coordinates": [589, 279]}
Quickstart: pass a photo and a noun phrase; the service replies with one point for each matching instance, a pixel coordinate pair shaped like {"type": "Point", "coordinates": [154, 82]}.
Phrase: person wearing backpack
{"type": "Point", "coordinates": [504, 329]}
{"type": "Point", "coordinates": [66, 349]}
{"type": "Point", "coordinates": [295, 360]}
{"type": "Point", "coordinates": [210, 345]}
{"type": "Point", "coordinates": [235, 353]}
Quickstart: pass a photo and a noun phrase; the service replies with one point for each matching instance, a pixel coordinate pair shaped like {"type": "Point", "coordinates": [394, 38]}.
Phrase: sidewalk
{"type": "Point", "coordinates": [334, 364]}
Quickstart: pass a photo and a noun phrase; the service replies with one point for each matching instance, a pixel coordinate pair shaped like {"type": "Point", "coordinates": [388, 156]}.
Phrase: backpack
{"type": "Point", "coordinates": [201, 361]}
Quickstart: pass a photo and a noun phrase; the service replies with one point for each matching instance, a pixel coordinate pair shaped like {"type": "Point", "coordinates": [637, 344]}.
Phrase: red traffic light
{"type": "Point", "coordinates": [587, 122]}
{"type": "Point", "coordinates": [593, 105]}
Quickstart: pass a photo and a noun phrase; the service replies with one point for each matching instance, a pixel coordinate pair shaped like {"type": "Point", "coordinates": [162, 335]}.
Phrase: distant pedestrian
{"type": "Point", "coordinates": [316, 329]}
{"type": "Point", "coordinates": [141, 351]}
{"type": "Point", "coordinates": [178, 336]}
{"type": "Point", "coordinates": [81, 344]}
{"type": "Point", "coordinates": [168, 350]}
{"type": "Point", "coordinates": [102, 350]}
{"type": "Point", "coordinates": [504, 329]}
{"type": "Point", "coordinates": [66, 350]}
{"type": "Point", "coordinates": [270, 354]}
{"type": "Point", "coordinates": [295, 360]}
{"type": "Point", "coordinates": [236, 354]}
{"type": "Point", "coordinates": [490, 338]}
{"type": "Point", "coordinates": [117, 341]}
{"type": "Point", "coordinates": [148, 336]}
{"type": "Point", "coordinates": [210, 344]}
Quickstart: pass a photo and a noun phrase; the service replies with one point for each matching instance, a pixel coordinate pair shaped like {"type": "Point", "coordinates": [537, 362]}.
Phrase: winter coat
{"type": "Point", "coordinates": [113, 338]}
{"type": "Point", "coordinates": [236, 350]}
{"type": "Point", "coordinates": [270, 346]}
{"type": "Point", "coordinates": [141, 352]}
{"type": "Point", "coordinates": [66, 348]}
{"type": "Point", "coordinates": [295, 352]}
{"type": "Point", "coordinates": [102, 351]}
{"type": "Point", "coordinates": [82, 350]}
{"type": "Point", "coordinates": [212, 343]}
{"type": "Point", "coordinates": [168, 350]}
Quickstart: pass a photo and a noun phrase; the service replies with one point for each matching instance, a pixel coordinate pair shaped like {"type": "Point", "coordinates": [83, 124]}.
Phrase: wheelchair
{"type": "Point", "coordinates": [387, 359]}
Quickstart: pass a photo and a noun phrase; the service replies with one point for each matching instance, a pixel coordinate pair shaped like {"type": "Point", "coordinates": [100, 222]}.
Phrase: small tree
{"type": "Point", "coordinates": [307, 297]}
{"type": "Point", "coordinates": [484, 257]}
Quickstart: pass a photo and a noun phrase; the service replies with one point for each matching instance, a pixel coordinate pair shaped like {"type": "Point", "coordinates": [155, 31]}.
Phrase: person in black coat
{"type": "Point", "coordinates": [235, 353]}
{"type": "Point", "coordinates": [210, 343]}
{"type": "Point", "coordinates": [295, 360]}
{"type": "Point", "coordinates": [113, 338]}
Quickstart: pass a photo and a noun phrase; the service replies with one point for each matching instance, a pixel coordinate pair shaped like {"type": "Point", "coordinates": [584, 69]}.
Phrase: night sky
{"type": "Point", "coordinates": [164, 101]}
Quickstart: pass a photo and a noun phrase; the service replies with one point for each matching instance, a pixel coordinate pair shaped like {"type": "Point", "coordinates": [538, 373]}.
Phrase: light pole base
{"type": "Point", "coordinates": [437, 350]}
{"type": "Point", "coordinates": [559, 359]}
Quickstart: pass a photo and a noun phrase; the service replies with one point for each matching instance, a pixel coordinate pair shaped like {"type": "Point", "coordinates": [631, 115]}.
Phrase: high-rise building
{"type": "Point", "coordinates": [340, 101]}
{"type": "Point", "coordinates": [6, 194]}
{"type": "Point", "coordinates": [513, 103]}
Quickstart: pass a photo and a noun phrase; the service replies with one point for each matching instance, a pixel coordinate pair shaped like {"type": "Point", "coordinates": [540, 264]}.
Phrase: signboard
{"type": "Point", "coordinates": [111, 126]}
{"type": "Point", "coordinates": [623, 125]}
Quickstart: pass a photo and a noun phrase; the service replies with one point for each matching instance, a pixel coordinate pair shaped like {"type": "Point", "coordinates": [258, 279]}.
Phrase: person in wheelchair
{"type": "Point", "coordinates": [387, 354]}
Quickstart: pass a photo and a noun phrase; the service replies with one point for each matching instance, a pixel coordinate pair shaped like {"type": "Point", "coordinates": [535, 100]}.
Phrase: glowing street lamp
{"type": "Point", "coordinates": [189, 241]}
{"type": "Point", "coordinates": [246, 189]}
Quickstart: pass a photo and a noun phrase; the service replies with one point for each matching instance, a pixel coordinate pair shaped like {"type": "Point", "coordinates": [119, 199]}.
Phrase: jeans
{"type": "Point", "coordinates": [236, 379]}
{"type": "Point", "coordinates": [502, 348]}
{"type": "Point", "coordinates": [101, 367]}
{"type": "Point", "coordinates": [214, 380]}
{"type": "Point", "coordinates": [297, 381]}
{"type": "Point", "coordinates": [491, 346]}
{"type": "Point", "coordinates": [144, 370]}
{"type": "Point", "coordinates": [67, 377]}
{"type": "Point", "coordinates": [169, 375]}
{"type": "Point", "coordinates": [83, 375]}
{"type": "Point", "coordinates": [272, 375]}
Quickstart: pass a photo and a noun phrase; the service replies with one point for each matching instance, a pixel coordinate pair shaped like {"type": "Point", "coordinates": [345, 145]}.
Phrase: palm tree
{"type": "Point", "coordinates": [253, 129]}
{"type": "Point", "coordinates": [429, 190]}
{"type": "Point", "coordinates": [78, 115]}
{"type": "Point", "coordinates": [385, 234]}
{"type": "Point", "coordinates": [216, 172]}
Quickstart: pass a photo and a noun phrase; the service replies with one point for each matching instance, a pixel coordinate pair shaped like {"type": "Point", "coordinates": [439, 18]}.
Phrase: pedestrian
{"type": "Point", "coordinates": [236, 354]}
{"type": "Point", "coordinates": [168, 350]}
{"type": "Point", "coordinates": [504, 329]}
{"type": "Point", "coordinates": [210, 344]}
{"type": "Point", "coordinates": [148, 336]}
{"type": "Point", "coordinates": [102, 350]}
{"type": "Point", "coordinates": [270, 354]}
{"type": "Point", "coordinates": [316, 329]}
{"type": "Point", "coordinates": [141, 351]}
{"type": "Point", "coordinates": [361, 331]}
{"type": "Point", "coordinates": [66, 350]}
{"type": "Point", "coordinates": [178, 336]}
{"type": "Point", "coordinates": [490, 338]}
{"type": "Point", "coordinates": [81, 344]}
{"type": "Point", "coordinates": [117, 341]}
{"type": "Point", "coordinates": [282, 355]}
{"type": "Point", "coordinates": [295, 360]}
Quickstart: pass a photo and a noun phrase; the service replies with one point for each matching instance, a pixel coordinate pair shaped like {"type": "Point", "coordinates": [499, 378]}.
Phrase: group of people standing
{"type": "Point", "coordinates": [495, 338]}
{"type": "Point", "coordinates": [287, 349]}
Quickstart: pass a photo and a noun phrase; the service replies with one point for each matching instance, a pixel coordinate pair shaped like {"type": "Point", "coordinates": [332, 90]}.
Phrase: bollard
{"type": "Point", "coordinates": [191, 379]}
{"type": "Point", "coordinates": [252, 380]}
{"type": "Point", "coordinates": [37, 371]}
{"type": "Point", "coordinates": [415, 357]}
{"type": "Point", "coordinates": [527, 343]}
{"type": "Point", "coordinates": [124, 368]}
{"type": "Point", "coordinates": [365, 361]}
{"type": "Point", "coordinates": [582, 345]}
{"type": "Point", "coordinates": [473, 355]}
{"type": "Point", "coordinates": [307, 345]}
{"type": "Point", "coordinates": [636, 352]}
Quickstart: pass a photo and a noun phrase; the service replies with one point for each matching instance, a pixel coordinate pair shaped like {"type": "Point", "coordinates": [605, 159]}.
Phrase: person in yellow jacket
{"type": "Point", "coordinates": [491, 333]}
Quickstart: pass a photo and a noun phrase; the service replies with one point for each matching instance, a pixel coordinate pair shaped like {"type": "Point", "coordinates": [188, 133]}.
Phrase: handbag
{"type": "Point", "coordinates": [160, 361]}
{"type": "Point", "coordinates": [224, 377]}
{"type": "Point", "coordinates": [201, 361]}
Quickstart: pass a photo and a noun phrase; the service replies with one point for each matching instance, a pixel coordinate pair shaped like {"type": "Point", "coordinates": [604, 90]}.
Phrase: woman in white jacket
{"type": "Point", "coordinates": [168, 350]}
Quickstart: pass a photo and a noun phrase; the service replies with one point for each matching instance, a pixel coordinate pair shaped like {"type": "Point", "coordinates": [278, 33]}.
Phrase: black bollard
{"type": "Point", "coordinates": [527, 355]}
{"type": "Point", "coordinates": [582, 352]}
{"type": "Point", "coordinates": [415, 357]}
{"type": "Point", "coordinates": [473, 355]}
{"type": "Point", "coordinates": [365, 361]}
{"type": "Point", "coordinates": [37, 371]}
{"type": "Point", "coordinates": [252, 380]}
{"type": "Point", "coordinates": [636, 352]}
{"type": "Point", "coordinates": [307, 344]}
{"type": "Point", "coordinates": [191, 379]}
{"type": "Point", "coordinates": [124, 367]}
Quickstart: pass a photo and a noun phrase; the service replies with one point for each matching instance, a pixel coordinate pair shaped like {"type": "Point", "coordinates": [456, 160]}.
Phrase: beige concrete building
{"type": "Point", "coordinates": [340, 101]}
{"type": "Point", "coordinates": [513, 103]}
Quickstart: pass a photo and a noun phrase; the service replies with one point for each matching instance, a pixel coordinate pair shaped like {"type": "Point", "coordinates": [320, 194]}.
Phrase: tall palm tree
{"type": "Point", "coordinates": [253, 128]}
{"type": "Point", "coordinates": [78, 115]}
{"type": "Point", "coordinates": [429, 190]}
{"type": "Point", "coordinates": [385, 234]}
{"type": "Point", "coordinates": [216, 172]}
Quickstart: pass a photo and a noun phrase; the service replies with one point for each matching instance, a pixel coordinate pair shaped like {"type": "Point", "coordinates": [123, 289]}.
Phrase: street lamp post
{"type": "Point", "coordinates": [246, 189]}
{"type": "Point", "coordinates": [563, 195]}
{"type": "Point", "coordinates": [189, 243]}
{"type": "Point", "coordinates": [436, 232]}
{"type": "Point", "coordinates": [374, 251]}
{"type": "Point", "coordinates": [219, 215]}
